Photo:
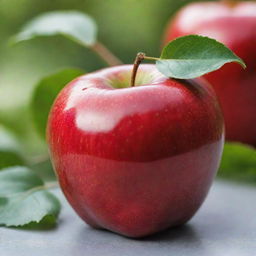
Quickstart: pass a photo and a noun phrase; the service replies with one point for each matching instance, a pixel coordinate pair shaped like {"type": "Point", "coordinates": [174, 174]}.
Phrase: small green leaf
{"type": "Point", "coordinates": [238, 163]}
{"type": "Point", "coordinates": [9, 150]}
{"type": "Point", "coordinates": [74, 25]}
{"type": "Point", "coordinates": [17, 179]}
{"type": "Point", "coordinates": [46, 223]}
{"type": "Point", "coordinates": [7, 140]}
{"type": "Point", "coordinates": [45, 93]}
{"type": "Point", "coordinates": [193, 56]}
{"type": "Point", "coordinates": [24, 198]}
{"type": "Point", "coordinates": [10, 158]}
{"type": "Point", "coordinates": [44, 170]}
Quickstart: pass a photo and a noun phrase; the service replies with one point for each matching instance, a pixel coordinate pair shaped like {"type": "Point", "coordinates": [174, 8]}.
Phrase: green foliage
{"type": "Point", "coordinates": [74, 25]}
{"type": "Point", "coordinates": [9, 158]}
{"type": "Point", "coordinates": [24, 198]}
{"type": "Point", "coordinates": [238, 163]}
{"type": "Point", "coordinates": [9, 150]}
{"type": "Point", "coordinates": [193, 56]}
{"type": "Point", "coordinates": [45, 93]}
{"type": "Point", "coordinates": [44, 169]}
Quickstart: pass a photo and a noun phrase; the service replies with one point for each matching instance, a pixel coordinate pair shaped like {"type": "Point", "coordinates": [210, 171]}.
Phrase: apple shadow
{"type": "Point", "coordinates": [102, 242]}
{"type": "Point", "coordinates": [183, 233]}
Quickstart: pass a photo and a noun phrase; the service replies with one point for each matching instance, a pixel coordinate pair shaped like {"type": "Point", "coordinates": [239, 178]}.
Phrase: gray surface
{"type": "Point", "coordinates": [224, 226]}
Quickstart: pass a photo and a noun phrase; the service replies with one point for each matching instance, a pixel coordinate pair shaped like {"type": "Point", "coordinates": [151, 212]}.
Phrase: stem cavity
{"type": "Point", "coordinates": [139, 58]}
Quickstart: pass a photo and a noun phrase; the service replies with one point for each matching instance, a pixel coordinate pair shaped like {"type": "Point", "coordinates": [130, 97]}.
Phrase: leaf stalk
{"type": "Point", "coordinates": [105, 54]}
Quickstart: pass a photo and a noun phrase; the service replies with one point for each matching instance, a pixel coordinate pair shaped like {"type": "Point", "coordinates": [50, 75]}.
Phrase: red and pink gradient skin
{"type": "Point", "coordinates": [135, 160]}
{"type": "Point", "coordinates": [235, 26]}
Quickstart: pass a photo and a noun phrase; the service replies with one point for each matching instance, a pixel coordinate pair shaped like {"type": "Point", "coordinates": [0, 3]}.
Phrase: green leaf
{"type": "Point", "coordinates": [238, 163]}
{"type": "Point", "coordinates": [45, 93]}
{"type": "Point", "coordinates": [44, 170]}
{"type": "Point", "coordinates": [193, 56]}
{"type": "Point", "coordinates": [9, 150]}
{"type": "Point", "coordinates": [10, 158]}
{"type": "Point", "coordinates": [74, 25]}
{"type": "Point", "coordinates": [24, 198]}
{"type": "Point", "coordinates": [46, 223]}
{"type": "Point", "coordinates": [7, 140]}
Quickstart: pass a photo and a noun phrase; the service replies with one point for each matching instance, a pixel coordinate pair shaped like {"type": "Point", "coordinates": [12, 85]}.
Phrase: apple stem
{"type": "Point", "coordinates": [139, 58]}
{"type": "Point", "coordinates": [231, 3]}
{"type": "Point", "coordinates": [106, 54]}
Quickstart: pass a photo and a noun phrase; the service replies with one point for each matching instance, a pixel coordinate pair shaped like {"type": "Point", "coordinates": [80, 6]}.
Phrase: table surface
{"type": "Point", "coordinates": [224, 226]}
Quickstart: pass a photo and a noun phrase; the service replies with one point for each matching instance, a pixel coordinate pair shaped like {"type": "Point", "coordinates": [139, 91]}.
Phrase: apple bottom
{"type": "Point", "coordinates": [136, 199]}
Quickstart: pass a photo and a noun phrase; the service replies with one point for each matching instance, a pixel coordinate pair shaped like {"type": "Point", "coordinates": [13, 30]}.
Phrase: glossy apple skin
{"type": "Point", "coordinates": [235, 26]}
{"type": "Point", "coordinates": [135, 160]}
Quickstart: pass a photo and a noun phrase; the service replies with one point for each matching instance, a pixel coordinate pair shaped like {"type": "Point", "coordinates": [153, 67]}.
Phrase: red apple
{"type": "Point", "coordinates": [135, 160]}
{"type": "Point", "coordinates": [234, 25]}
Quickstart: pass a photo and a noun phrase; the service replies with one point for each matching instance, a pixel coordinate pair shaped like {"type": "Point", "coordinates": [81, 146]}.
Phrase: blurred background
{"type": "Point", "coordinates": [125, 27]}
